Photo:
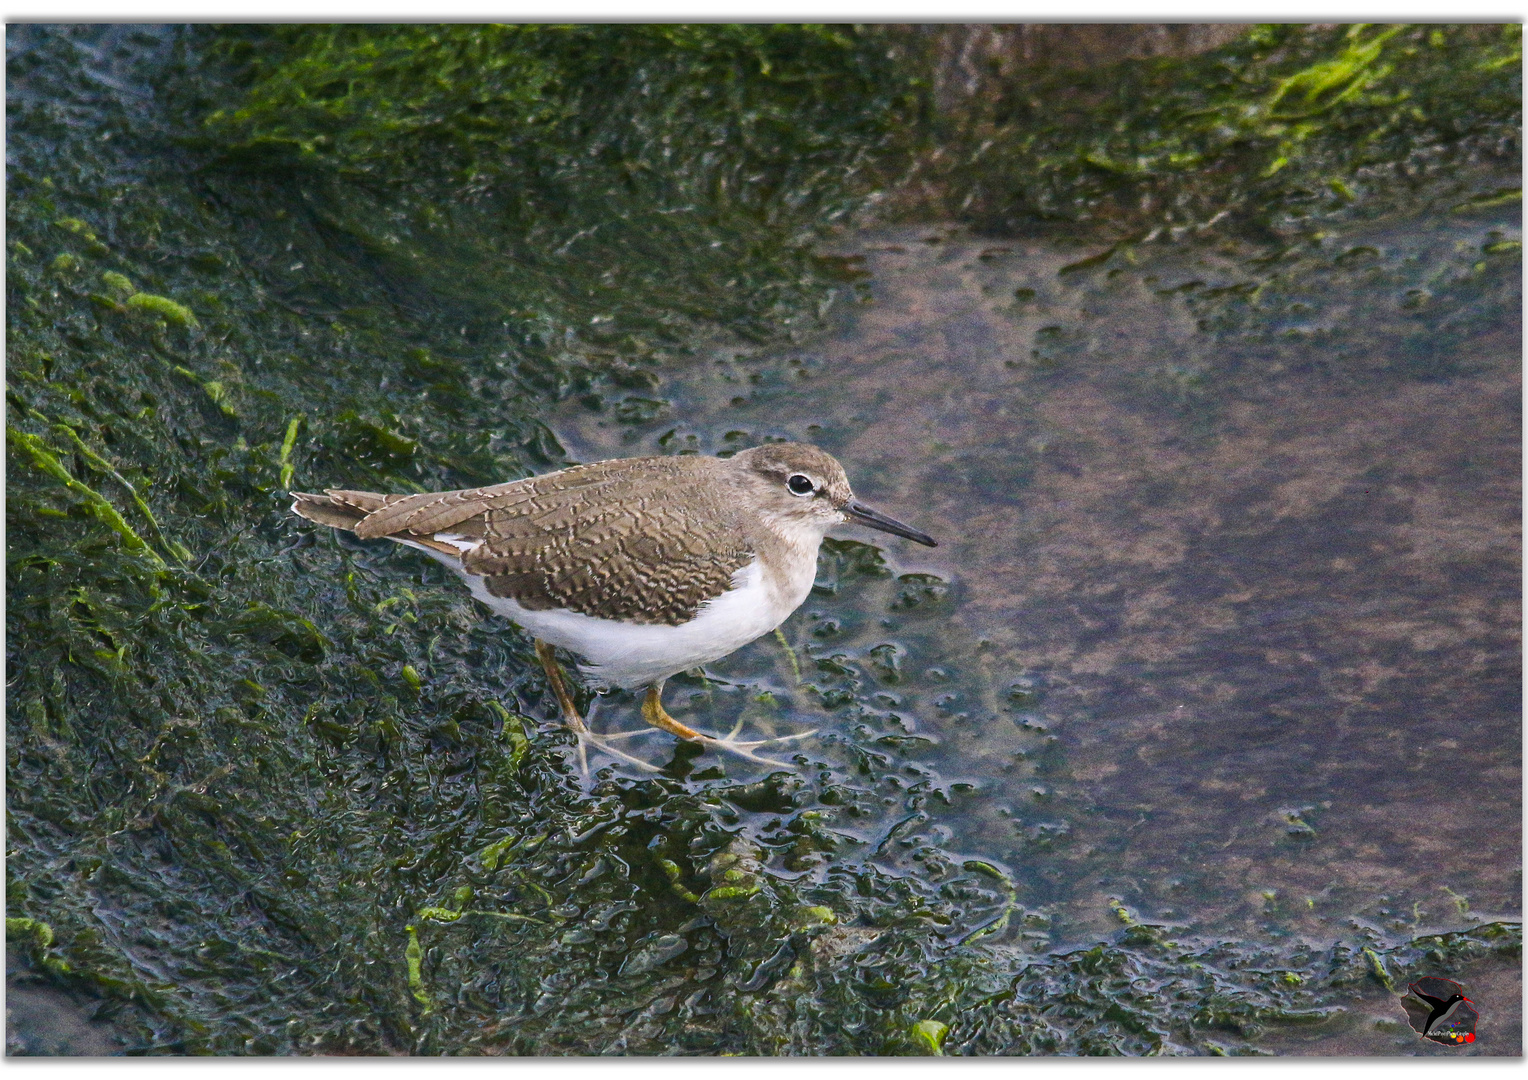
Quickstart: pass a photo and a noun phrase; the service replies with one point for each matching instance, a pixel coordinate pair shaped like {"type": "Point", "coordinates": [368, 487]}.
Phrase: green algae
{"type": "Point", "coordinates": [99, 463]}
{"type": "Point", "coordinates": [514, 153]}
{"type": "Point", "coordinates": [232, 773]}
{"type": "Point", "coordinates": [446, 915]}
{"type": "Point", "coordinates": [1010, 904]}
{"type": "Point", "coordinates": [676, 881]}
{"type": "Point", "coordinates": [118, 283]}
{"type": "Point", "coordinates": [48, 463]}
{"type": "Point", "coordinates": [1377, 967]}
{"type": "Point", "coordinates": [931, 1034]}
{"type": "Point", "coordinates": [514, 733]}
{"type": "Point", "coordinates": [287, 443]}
{"type": "Point", "coordinates": [412, 956]}
{"type": "Point", "coordinates": [162, 306]}
{"type": "Point", "coordinates": [41, 936]}
{"type": "Point", "coordinates": [1282, 125]}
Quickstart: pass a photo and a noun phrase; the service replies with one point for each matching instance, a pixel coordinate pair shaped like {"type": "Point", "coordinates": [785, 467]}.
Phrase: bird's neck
{"type": "Point", "coordinates": [788, 546]}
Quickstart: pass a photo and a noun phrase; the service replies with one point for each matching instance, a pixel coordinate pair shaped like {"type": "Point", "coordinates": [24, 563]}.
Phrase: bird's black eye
{"type": "Point", "coordinates": [799, 484]}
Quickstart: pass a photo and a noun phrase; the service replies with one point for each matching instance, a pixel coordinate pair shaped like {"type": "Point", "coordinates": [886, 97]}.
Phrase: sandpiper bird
{"type": "Point", "coordinates": [644, 567]}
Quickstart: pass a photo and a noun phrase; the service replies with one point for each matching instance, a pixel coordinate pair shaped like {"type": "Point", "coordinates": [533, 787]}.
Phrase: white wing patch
{"type": "Point", "coordinates": [463, 544]}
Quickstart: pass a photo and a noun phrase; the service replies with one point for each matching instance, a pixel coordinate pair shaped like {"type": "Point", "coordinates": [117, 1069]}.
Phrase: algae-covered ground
{"type": "Point", "coordinates": [272, 791]}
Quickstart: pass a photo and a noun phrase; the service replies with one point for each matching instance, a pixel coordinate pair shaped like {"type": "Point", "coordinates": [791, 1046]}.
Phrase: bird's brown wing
{"type": "Point", "coordinates": [604, 540]}
{"type": "Point", "coordinates": [618, 545]}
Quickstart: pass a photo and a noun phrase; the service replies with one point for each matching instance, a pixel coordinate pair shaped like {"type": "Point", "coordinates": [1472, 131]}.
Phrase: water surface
{"type": "Point", "coordinates": [1231, 630]}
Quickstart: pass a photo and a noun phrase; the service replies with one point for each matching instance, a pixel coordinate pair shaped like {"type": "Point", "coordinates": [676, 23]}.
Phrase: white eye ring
{"type": "Point", "coordinates": [800, 484]}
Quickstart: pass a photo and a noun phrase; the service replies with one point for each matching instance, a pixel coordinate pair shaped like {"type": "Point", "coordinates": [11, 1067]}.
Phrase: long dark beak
{"type": "Point", "coordinates": [861, 514]}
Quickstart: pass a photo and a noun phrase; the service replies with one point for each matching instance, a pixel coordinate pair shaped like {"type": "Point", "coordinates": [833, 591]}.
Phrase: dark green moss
{"type": "Point", "coordinates": [1283, 124]}
{"type": "Point", "coordinates": [632, 179]}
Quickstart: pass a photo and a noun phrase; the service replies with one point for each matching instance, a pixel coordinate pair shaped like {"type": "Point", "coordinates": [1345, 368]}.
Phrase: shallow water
{"type": "Point", "coordinates": [1231, 634]}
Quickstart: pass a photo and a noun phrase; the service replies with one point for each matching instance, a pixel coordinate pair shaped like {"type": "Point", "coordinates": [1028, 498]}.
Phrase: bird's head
{"type": "Point", "coordinates": [804, 487]}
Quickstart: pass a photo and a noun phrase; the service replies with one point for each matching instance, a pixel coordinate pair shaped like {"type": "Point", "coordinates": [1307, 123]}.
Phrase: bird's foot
{"type": "Point", "coordinates": [587, 738]}
{"type": "Point", "coordinates": [575, 722]}
{"type": "Point", "coordinates": [656, 715]}
{"type": "Point", "coordinates": [731, 745]}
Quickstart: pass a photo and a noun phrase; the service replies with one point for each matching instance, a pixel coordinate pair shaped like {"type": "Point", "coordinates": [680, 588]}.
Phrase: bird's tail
{"type": "Point", "coordinates": [340, 509]}
{"type": "Point", "coordinates": [347, 509]}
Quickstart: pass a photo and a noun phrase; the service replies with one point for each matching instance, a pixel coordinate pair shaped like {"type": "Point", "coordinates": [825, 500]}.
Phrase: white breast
{"type": "Point", "coordinates": [632, 655]}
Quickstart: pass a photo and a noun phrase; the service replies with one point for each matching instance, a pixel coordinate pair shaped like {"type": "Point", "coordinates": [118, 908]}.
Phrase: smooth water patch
{"type": "Point", "coordinates": [1227, 599]}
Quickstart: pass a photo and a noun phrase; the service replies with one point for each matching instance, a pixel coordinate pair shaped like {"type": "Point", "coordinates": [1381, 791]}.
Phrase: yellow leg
{"type": "Point", "coordinates": [570, 715]}
{"type": "Point", "coordinates": [553, 671]}
{"type": "Point", "coordinates": [652, 711]}
{"type": "Point", "coordinates": [656, 715]}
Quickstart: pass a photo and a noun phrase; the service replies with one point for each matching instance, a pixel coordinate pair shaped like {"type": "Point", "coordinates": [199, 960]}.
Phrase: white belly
{"type": "Point", "coordinates": [633, 655]}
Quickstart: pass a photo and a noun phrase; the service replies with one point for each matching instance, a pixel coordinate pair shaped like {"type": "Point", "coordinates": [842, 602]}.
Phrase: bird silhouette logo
{"type": "Point", "coordinates": [1439, 1011]}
